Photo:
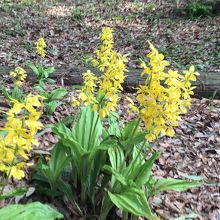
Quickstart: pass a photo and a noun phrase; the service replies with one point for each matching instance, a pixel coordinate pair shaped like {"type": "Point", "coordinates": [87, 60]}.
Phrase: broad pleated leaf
{"type": "Point", "coordinates": [88, 129]}
{"type": "Point", "coordinates": [32, 211]}
{"type": "Point", "coordinates": [57, 94]}
{"type": "Point", "coordinates": [174, 184]}
{"type": "Point", "coordinates": [133, 200]}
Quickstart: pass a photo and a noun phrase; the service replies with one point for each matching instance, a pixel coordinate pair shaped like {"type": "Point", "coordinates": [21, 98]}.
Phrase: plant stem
{"type": "Point", "coordinates": [149, 149]}
{"type": "Point", "coordinates": [83, 192]}
{"type": "Point", "coordinates": [124, 215]}
{"type": "Point", "coordinates": [130, 139]}
{"type": "Point", "coordinates": [140, 150]}
{"type": "Point", "coordinates": [106, 207]}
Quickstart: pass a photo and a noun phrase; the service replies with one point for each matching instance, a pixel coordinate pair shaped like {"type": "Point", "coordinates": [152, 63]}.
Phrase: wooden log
{"type": "Point", "coordinates": [206, 85]}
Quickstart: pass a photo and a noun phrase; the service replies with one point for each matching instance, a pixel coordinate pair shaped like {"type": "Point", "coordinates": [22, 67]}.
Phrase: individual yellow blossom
{"type": "Point", "coordinates": [190, 75]}
{"type": "Point", "coordinates": [170, 132]}
{"type": "Point", "coordinates": [103, 112]}
{"type": "Point", "coordinates": [19, 75]}
{"type": "Point", "coordinates": [16, 171]}
{"type": "Point", "coordinates": [151, 137]}
{"type": "Point", "coordinates": [133, 108]}
{"type": "Point", "coordinates": [40, 46]}
{"type": "Point", "coordinates": [74, 102]}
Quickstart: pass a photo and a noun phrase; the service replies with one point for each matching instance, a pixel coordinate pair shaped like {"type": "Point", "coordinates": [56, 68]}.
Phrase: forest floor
{"type": "Point", "coordinates": [71, 31]}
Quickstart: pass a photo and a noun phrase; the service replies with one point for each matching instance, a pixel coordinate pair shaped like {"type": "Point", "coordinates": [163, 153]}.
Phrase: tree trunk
{"type": "Point", "coordinates": [207, 84]}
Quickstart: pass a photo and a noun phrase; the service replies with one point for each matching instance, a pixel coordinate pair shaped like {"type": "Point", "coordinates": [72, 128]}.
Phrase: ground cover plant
{"type": "Point", "coordinates": [100, 164]}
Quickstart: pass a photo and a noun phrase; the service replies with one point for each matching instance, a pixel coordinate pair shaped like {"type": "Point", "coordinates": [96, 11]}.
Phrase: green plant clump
{"type": "Point", "coordinates": [101, 167]}
{"type": "Point", "coordinates": [198, 9]}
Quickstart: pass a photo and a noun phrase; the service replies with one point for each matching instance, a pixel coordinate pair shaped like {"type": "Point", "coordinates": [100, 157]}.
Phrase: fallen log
{"type": "Point", "coordinates": [207, 84]}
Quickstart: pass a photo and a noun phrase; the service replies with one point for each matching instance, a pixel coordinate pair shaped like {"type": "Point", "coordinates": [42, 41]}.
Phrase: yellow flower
{"type": "Point", "coordinates": [74, 102]}
{"type": "Point", "coordinates": [103, 55]}
{"type": "Point", "coordinates": [16, 171]}
{"type": "Point", "coordinates": [40, 46]}
{"type": "Point", "coordinates": [170, 132]}
{"type": "Point", "coordinates": [133, 108]}
{"type": "Point", "coordinates": [103, 112]}
{"type": "Point", "coordinates": [19, 75]}
{"type": "Point", "coordinates": [87, 92]}
{"type": "Point", "coordinates": [190, 75]}
{"type": "Point", "coordinates": [164, 96]}
{"type": "Point", "coordinates": [151, 137]}
{"type": "Point", "coordinates": [21, 127]}
{"type": "Point", "coordinates": [101, 93]}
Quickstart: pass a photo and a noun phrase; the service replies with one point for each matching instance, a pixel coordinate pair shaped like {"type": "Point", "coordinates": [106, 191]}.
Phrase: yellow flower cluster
{"type": "Point", "coordinates": [20, 129]}
{"type": "Point", "coordinates": [164, 96]}
{"type": "Point", "coordinates": [40, 46]}
{"type": "Point", "coordinates": [19, 75]}
{"type": "Point", "coordinates": [109, 84]}
{"type": "Point", "coordinates": [104, 54]}
{"type": "Point", "coordinates": [87, 92]}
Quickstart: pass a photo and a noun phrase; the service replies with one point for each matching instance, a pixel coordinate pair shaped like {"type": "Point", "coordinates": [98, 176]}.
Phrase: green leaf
{"type": "Point", "coordinates": [33, 68]}
{"type": "Point", "coordinates": [116, 157]}
{"type": "Point", "coordinates": [105, 134]}
{"type": "Point", "coordinates": [192, 177]}
{"type": "Point", "coordinates": [137, 136]}
{"type": "Point", "coordinates": [44, 173]}
{"type": "Point", "coordinates": [49, 70]}
{"type": "Point", "coordinates": [114, 128]}
{"type": "Point", "coordinates": [41, 76]}
{"type": "Point", "coordinates": [142, 174]}
{"type": "Point", "coordinates": [4, 91]}
{"type": "Point", "coordinates": [119, 177]}
{"type": "Point", "coordinates": [51, 106]}
{"type": "Point", "coordinates": [77, 87]}
{"type": "Point", "coordinates": [39, 88]}
{"type": "Point", "coordinates": [88, 129]}
{"type": "Point", "coordinates": [68, 139]}
{"type": "Point", "coordinates": [127, 131]}
{"type": "Point", "coordinates": [107, 144]}
{"type": "Point", "coordinates": [15, 192]}
{"type": "Point", "coordinates": [57, 94]}
{"type": "Point", "coordinates": [174, 184]}
{"type": "Point", "coordinates": [133, 200]}
{"type": "Point", "coordinates": [51, 81]}
{"type": "Point", "coordinates": [187, 217]}
{"type": "Point", "coordinates": [17, 93]}
{"type": "Point", "coordinates": [32, 211]}
{"type": "Point", "coordinates": [59, 159]}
